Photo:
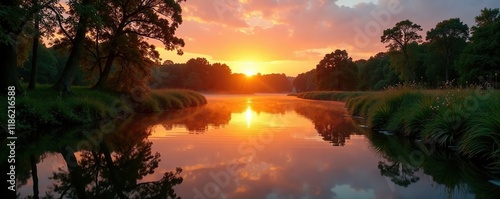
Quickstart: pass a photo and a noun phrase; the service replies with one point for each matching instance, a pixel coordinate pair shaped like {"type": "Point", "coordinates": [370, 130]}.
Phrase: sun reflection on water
{"type": "Point", "coordinates": [248, 112]}
{"type": "Point", "coordinates": [248, 115]}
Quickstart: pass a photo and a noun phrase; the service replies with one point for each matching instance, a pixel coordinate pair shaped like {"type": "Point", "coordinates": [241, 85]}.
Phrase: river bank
{"type": "Point", "coordinates": [466, 121]}
{"type": "Point", "coordinates": [44, 107]}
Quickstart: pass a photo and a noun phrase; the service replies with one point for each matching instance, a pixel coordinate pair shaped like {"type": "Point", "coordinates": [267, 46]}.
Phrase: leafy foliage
{"type": "Point", "coordinates": [399, 38]}
{"type": "Point", "coordinates": [336, 71]}
{"type": "Point", "coordinates": [449, 35]}
{"type": "Point", "coordinates": [480, 60]}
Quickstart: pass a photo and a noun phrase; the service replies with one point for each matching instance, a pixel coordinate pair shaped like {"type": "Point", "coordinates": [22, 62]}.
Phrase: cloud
{"type": "Point", "coordinates": [262, 30]}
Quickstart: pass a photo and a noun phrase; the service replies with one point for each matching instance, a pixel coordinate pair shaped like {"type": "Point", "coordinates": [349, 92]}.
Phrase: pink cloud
{"type": "Point", "coordinates": [276, 30]}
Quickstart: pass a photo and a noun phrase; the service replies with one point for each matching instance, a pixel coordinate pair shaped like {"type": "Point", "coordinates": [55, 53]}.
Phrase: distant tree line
{"type": "Point", "coordinates": [452, 53]}
{"type": "Point", "coordinates": [198, 74]}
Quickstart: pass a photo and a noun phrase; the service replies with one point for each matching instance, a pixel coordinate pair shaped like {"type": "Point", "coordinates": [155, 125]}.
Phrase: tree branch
{"type": "Point", "coordinates": [60, 24]}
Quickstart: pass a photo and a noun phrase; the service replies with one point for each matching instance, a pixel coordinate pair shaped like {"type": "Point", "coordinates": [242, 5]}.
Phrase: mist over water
{"type": "Point", "coordinates": [274, 146]}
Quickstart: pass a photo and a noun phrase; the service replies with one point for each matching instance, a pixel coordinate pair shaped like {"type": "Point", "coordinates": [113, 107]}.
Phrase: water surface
{"type": "Point", "coordinates": [255, 146]}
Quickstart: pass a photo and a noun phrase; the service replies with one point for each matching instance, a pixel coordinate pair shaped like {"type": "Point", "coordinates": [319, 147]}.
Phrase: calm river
{"type": "Point", "coordinates": [248, 146]}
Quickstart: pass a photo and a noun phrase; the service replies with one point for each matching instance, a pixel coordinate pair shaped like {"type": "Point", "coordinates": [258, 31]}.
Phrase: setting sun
{"type": "Point", "coordinates": [249, 73]}
{"type": "Point", "coordinates": [248, 68]}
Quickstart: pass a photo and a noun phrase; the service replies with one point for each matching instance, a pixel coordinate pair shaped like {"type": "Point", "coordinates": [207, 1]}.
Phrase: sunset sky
{"type": "Point", "coordinates": [292, 36]}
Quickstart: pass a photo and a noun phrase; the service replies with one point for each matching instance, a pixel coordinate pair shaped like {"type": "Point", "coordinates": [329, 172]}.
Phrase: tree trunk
{"type": "Point", "coordinates": [34, 175]}
{"type": "Point", "coordinates": [75, 172]}
{"type": "Point", "coordinates": [8, 64]}
{"type": "Point", "coordinates": [407, 61]}
{"type": "Point", "coordinates": [69, 72]}
{"type": "Point", "coordinates": [118, 185]}
{"type": "Point", "coordinates": [34, 56]}
{"type": "Point", "coordinates": [8, 69]}
{"type": "Point", "coordinates": [101, 83]}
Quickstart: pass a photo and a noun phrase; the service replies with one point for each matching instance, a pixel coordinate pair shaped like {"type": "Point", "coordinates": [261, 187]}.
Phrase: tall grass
{"type": "Point", "coordinates": [482, 136]}
{"type": "Point", "coordinates": [47, 108]}
{"type": "Point", "coordinates": [467, 119]}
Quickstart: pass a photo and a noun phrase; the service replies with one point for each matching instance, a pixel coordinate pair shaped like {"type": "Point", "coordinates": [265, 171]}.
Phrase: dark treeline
{"type": "Point", "coordinates": [452, 54]}
{"type": "Point", "coordinates": [198, 74]}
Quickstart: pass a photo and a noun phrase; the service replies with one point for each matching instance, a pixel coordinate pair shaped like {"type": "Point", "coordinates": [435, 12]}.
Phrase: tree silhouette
{"type": "Point", "coordinates": [305, 81]}
{"type": "Point", "coordinates": [481, 57]}
{"type": "Point", "coordinates": [336, 71]}
{"type": "Point", "coordinates": [448, 35]}
{"type": "Point", "coordinates": [400, 37]}
{"type": "Point", "coordinates": [81, 17]}
{"type": "Point", "coordinates": [139, 19]}
{"type": "Point", "coordinates": [15, 17]}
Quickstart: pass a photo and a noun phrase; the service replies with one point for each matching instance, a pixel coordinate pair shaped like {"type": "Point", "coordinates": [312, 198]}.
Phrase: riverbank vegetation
{"type": "Point", "coordinates": [440, 91]}
{"type": "Point", "coordinates": [465, 120]}
{"type": "Point", "coordinates": [46, 107]}
{"type": "Point", "coordinates": [403, 159]}
{"type": "Point", "coordinates": [81, 62]}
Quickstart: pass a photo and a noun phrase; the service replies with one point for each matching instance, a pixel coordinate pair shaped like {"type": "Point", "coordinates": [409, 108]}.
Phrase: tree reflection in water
{"type": "Point", "coordinates": [399, 173]}
{"type": "Point", "coordinates": [197, 120]}
{"type": "Point", "coordinates": [115, 168]}
{"type": "Point", "coordinates": [330, 123]}
{"type": "Point", "coordinates": [404, 160]}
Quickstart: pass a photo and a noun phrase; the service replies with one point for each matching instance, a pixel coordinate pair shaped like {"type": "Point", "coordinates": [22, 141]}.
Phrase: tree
{"type": "Point", "coordinates": [364, 74]}
{"type": "Point", "coordinates": [481, 58]}
{"type": "Point", "coordinates": [34, 57]}
{"type": "Point", "coordinates": [376, 73]}
{"type": "Point", "coordinates": [146, 19]}
{"type": "Point", "coordinates": [14, 15]}
{"type": "Point", "coordinates": [270, 83]}
{"type": "Point", "coordinates": [336, 71]}
{"type": "Point", "coordinates": [43, 26]}
{"type": "Point", "coordinates": [219, 75]}
{"type": "Point", "coordinates": [134, 66]}
{"type": "Point", "coordinates": [449, 35]}
{"type": "Point", "coordinates": [193, 81]}
{"type": "Point", "coordinates": [305, 81]}
{"type": "Point", "coordinates": [399, 37]}
{"type": "Point", "coordinates": [46, 66]}
{"type": "Point", "coordinates": [84, 12]}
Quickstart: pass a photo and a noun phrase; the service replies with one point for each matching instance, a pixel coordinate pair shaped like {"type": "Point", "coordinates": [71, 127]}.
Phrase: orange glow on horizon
{"type": "Point", "coordinates": [249, 73]}
{"type": "Point", "coordinates": [248, 68]}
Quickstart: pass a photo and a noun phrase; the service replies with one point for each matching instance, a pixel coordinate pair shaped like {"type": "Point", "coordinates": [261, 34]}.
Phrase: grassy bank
{"type": "Point", "coordinates": [467, 121]}
{"type": "Point", "coordinates": [47, 108]}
